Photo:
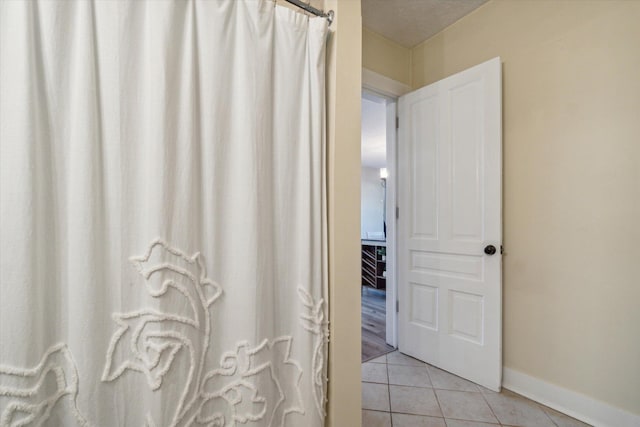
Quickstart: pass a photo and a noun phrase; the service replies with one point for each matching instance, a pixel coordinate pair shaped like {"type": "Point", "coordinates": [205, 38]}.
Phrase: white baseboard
{"type": "Point", "coordinates": [579, 406]}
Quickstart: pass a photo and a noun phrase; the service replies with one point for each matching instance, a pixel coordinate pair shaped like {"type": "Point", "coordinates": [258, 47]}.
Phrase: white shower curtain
{"type": "Point", "coordinates": [162, 206]}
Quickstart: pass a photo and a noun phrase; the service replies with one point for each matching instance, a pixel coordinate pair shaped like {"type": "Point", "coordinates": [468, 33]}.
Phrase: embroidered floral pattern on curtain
{"type": "Point", "coordinates": [198, 121]}
{"type": "Point", "coordinates": [214, 398]}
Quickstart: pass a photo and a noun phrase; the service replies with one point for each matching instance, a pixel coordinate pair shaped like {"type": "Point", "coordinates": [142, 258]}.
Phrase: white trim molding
{"type": "Point", "coordinates": [579, 406]}
{"type": "Point", "coordinates": [383, 84]}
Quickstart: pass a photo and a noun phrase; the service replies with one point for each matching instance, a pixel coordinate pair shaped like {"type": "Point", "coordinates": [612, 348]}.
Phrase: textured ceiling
{"type": "Point", "coordinates": [410, 22]}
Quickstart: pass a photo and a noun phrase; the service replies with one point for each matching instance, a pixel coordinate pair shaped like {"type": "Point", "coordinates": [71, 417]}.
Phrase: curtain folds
{"type": "Point", "coordinates": [162, 214]}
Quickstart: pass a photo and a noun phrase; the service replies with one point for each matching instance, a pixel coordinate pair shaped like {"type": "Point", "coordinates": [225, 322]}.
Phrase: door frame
{"type": "Point", "coordinates": [389, 89]}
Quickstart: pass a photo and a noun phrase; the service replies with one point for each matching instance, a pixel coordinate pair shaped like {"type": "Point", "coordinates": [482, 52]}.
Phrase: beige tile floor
{"type": "Point", "coordinates": [398, 391]}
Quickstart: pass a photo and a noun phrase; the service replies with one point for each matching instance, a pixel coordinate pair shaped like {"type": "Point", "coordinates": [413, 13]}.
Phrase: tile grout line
{"type": "Point", "coordinates": [404, 364]}
{"type": "Point", "coordinates": [490, 407]}
{"type": "Point", "coordinates": [386, 369]}
{"type": "Point", "coordinates": [391, 412]}
{"type": "Point", "coordinates": [433, 416]}
{"type": "Point", "coordinates": [439, 405]}
{"type": "Point", "coordinates": [428, 388]}
{"type": "Point", "coordinates": [434, 389]}
{"type": "Point", "coordinates": [538, 405]}
{"type": "Point", "coordinates": [426, 367]}
{"type": "Point", "coordinates": [545, 412]}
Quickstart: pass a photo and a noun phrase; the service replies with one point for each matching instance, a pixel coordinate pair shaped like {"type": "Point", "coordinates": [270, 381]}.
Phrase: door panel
{"type": "Point", "coordinates": [425, 168]}
{"type": "Point", "coordinates": [449, 195]}
{"type": "Point", "coordinates": [424, 305]}
{"type": "Point", "coordinates": [466, 163]}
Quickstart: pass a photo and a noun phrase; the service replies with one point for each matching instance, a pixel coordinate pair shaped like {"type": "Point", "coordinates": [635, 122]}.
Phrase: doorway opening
{"type": "Point", "coordinates": [377, 226]}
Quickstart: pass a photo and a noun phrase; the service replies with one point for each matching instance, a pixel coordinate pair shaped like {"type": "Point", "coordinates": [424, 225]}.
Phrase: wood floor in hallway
{"type": "Point", "coordinates": [373, 324]}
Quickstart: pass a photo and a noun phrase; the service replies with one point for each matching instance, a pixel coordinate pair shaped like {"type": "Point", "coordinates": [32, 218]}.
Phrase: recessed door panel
{"type": "Point", "coordinates": [424, 306]}
{"type": "Point", "coordinates": [466, 161]}
{"type": "Point", "coordinates": [443, 264]}
{"type": "Point", "coordinates": [424, 168]}
{"type": "Point", "coordinates": [466, 316]}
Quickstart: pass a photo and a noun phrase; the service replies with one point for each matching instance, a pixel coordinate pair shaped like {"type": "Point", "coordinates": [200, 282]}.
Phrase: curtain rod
{"type": "Point", "coordinates": [317, 12]}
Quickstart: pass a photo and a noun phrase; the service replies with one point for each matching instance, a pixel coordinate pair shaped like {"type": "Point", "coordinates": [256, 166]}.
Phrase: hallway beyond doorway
{"type": "Point", "coordinates": [374, 324]}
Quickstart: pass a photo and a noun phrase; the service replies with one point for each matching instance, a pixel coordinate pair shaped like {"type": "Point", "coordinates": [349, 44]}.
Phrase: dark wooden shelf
{"type": "Point", "coordinates": [369, 264]}
{"type": "Point", "coordinates": [373, 267]}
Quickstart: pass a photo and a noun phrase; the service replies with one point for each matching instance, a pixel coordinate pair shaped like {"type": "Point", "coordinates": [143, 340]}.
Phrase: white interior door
{"type": "Point", "coordinates": [449, 198]}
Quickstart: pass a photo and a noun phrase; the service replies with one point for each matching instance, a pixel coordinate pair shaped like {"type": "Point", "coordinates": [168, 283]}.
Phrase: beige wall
{"type": "Point", "coordinates": [571, 112]}
{"type": "Point", "coordinates": [343, 140]}
{"type": "Point", "coordinates": [385, 57]}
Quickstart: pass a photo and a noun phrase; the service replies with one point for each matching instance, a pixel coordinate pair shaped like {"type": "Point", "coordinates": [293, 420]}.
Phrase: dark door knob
{"type": "Point", "coordinates": [490, 250]}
